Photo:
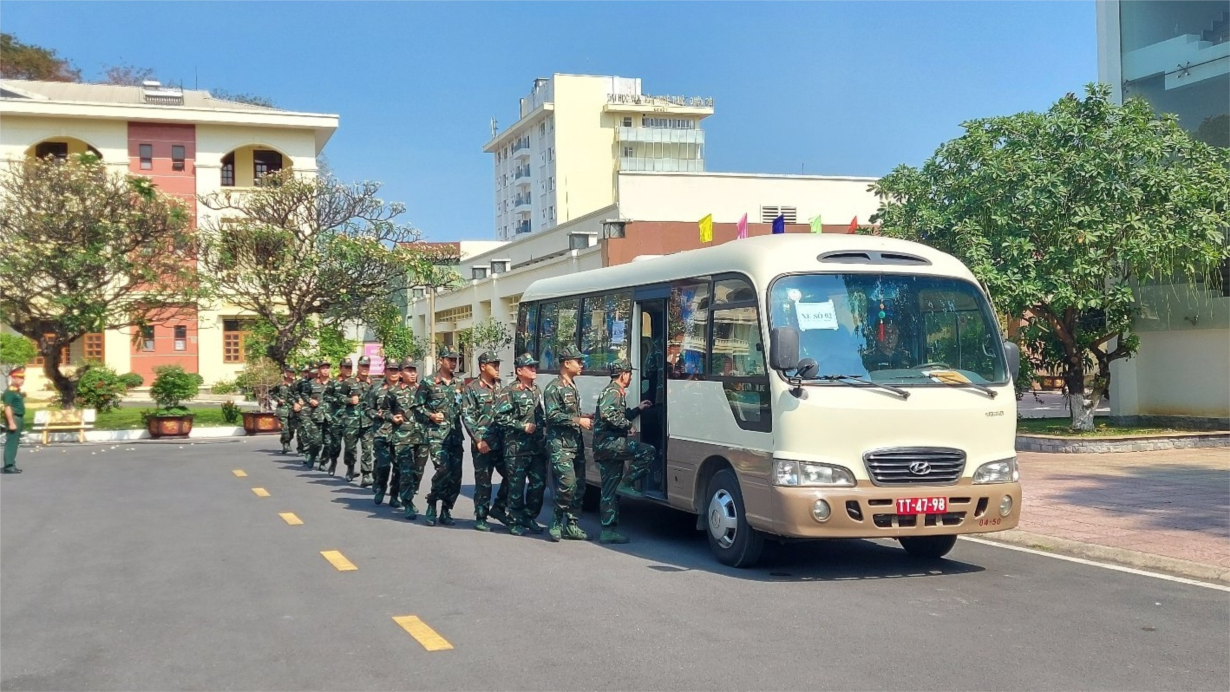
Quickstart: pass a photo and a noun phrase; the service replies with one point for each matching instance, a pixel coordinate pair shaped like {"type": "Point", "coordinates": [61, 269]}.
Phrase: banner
{"type": "Point", "coordinates": [816, 225]}
{"type": "Point", "coordinates": [706, 229]}
{"type": "Point", "coordinates": [743, 226]}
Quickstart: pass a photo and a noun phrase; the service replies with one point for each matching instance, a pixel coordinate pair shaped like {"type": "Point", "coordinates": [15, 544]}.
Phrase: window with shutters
{"type": "Point", "coordinates": [93, 347]}
{"type": "Point", "coordinates": [769, 213]}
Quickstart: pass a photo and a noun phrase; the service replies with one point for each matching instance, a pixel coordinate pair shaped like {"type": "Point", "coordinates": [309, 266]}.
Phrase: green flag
{"type": "Point", "coordinates": [816, 226]}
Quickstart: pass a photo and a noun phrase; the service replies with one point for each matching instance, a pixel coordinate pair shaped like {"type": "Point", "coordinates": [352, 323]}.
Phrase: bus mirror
{"type": "Point", "coordinates": [784, 348]}
{"type": "Point", "coordinates": [1012, 353]}
{"type": "Point", "coordinates": [809, 368]}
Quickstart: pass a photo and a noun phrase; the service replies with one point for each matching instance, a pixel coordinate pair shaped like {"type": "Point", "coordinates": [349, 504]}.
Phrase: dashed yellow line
{"type": "Point", "coordinates": [338, 560]}
{"type": "Point", "coordinates": [429, 638]}
{"type": "Point", "coordinates": [260, 492]}
{"type": "Point", "coordinates": [240, 473]}
{"type": "Point", "coordinates": [290, 518]}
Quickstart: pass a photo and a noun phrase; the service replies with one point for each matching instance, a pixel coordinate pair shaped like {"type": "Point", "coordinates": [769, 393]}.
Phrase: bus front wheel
{"type": "Point", "coordinates": [928, 547]}
{"type": "Point", "coordinates": [733, 541]}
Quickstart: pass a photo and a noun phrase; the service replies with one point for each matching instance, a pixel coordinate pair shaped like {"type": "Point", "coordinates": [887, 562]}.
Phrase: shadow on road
{"type": "Point", "coordinates": [1183, 497]}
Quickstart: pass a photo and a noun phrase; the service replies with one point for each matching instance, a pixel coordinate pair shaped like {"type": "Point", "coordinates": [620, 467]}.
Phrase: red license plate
{"type": "Point", "coordinates": [922, 505]}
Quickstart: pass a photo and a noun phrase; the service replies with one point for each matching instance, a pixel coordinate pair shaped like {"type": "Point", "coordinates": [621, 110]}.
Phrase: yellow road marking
{"type": "Point", "coordinates": [290, 518]}
{"type": "Point", "coordinates": [338, 560]}
{"type": "Point", "coordinates": [425, 635]}
{"type": "Point", "coordinates": [240, 474]}
{"type": "Point", "coordinates": [260, 492]}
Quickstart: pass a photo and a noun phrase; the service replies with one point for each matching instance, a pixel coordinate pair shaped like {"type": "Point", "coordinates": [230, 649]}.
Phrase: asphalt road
{"type": "Point", "coordinates": [152, 566]}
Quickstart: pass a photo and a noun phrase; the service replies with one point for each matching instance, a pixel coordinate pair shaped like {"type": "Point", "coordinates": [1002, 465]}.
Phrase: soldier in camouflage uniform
{"type": "Point", "coordinates": [314, 417]}
{"type": "Point", "coordinates": [377, 405]}
{"type": "Point", "coordinates": [332, 431]}
{"type": "Point", "coordinates": [612, 447]}
{"type": "Point", "coordinates": [305, 379]}
{"type": "Point", "coordinates": [565, 446]}
{"type": "Point", "coordinates": [518, 415]}
{"type": "Point", "coordinates": [284, 400]}
{"type": "Point", "coordinates": [439, 410]}
{"type": "Point", "coordinates": [367, 433]}
{"type": "Point", "coordinates": [410, 448]}
{"type": "Point", "coordinates": [485, 449]}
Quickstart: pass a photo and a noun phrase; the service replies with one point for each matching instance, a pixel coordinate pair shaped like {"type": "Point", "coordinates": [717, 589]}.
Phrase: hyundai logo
{"type": "Point", "coordinates": [920, 468]}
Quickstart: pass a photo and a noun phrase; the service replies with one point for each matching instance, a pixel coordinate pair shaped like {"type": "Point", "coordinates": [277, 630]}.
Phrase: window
{"type": "Point", "coordinates": [234, 334]}
{"type": "Point", "coordinates": [551, 183]}
{"type": "Point", "coordinates": [769, 213]}
{"type": "Point", "coordinates": [57, 149]}
{"type": "Point", "coordinates": [606, 330]}
{"type": "Point", "coordinates": [627, 152]}
{"type": "Point", "coordinates": [263, 162]}
{"type": "Point", "coordinates": [92, 347]}
{"type": "Point", "coordinates": [177, 157]}
{"type": "Point", "coordinates": [478, 272]}
{"type": "Point", "coordinates": [228, 170]}
{"type": "Point", "coordinates": [733, 291]}
{"type": "Point", "coordinates": [65, 357]}
{"type": "Point", "coordinates": [550, 153]}
{"type": "Point", "coordinates": [688, 325]}
{"type": "Point", "coordinates": [627, 121]}
{"type": "Point", "coordinates": [499, 266]}
{"type": "Point", "coordinates": [147, 156]}
{"type": "Point", "coordinates": [147, 338]}
{"type": "Point", "coordinates": [551, 212]}
{"type": "Point", "coordinates": [737, 351]}
{"type": "Point", "coordinates": [527, 318]}
{"type": "Point", "coordinates": [542, 128]}
{"type": "Point", "coordinates": [557, 327]}
{"type": "Point", "coordinates": [181, 338]}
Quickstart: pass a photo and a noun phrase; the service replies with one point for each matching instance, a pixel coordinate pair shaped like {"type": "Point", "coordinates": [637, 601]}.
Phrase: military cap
{"type": "Point", "coordinates": [488, 357]}
{"type": "Point", "coordinates": [364, 361]}
{"type": "Point", "coordinates": [290, 369]}
{"type": "Point", "coordinates": [619, 366]}
{"type": "Point", "coordinates": [392, 364]}
{"type": "Point", "coordinates": [19, 371]}
{"type": "Point", "coordinates": [347, 363]}
{"type": "Point", "coordinates": [306, 368]}
{"type": "Point", "coordinates": [324, 364]}
{"type": "Point", "coordinates": [524, 360]}
{"type": "Point", "coordinates": [569, 353]}
{"type": "Point", "coordinates": [409, 364]}
{"type": "Point", "coordinates": [449, 352]}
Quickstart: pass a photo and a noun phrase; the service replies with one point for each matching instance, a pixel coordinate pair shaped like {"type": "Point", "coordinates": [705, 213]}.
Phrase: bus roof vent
{"type": "Point", "coordinates": [642, 258]}
{"type": "Point", "coordinates": [871, 257]}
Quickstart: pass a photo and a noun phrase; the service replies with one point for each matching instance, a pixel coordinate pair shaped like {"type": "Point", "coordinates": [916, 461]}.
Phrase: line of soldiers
{"type": "Point", "coordinates": [514, 430]}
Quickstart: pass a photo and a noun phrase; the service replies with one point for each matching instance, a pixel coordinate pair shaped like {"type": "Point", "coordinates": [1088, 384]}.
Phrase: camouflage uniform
{"type": "Point", "coordinates": [314, 420]}
{"type": "Point", "coordinates": [516, 406]}
{"type": "Point", "coordinates": [283, 399]}
{"type": "Point", "coordinates": [332, 432]}
{"type": "Point", "coordinates": [352, 421]}
{"type": "Point", "coordinates": [477, 415]}
{"type": "Point", "coordinates": [612, 447]}
{"type": "Point", "coordinates": [409, 446]}
{"type": "Point", "coordinates": [565, 450]}
{"type": "Point", "coordinates": [437, 396]}
{"type": "Point", "coordinates": [377, 404]}
{"type": "Point", "coordinates": [297, 417]}
{"type": "Point", "coordinates": [367, 433]}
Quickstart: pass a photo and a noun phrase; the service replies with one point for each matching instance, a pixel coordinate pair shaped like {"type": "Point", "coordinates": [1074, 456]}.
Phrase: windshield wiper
{"type": "Point", "coordinates": [972, 385]}
{"type": "Point", "coordinates": [860, 380]}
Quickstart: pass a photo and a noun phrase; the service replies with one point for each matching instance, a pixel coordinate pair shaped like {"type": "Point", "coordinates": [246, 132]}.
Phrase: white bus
{"type": "Point", "coordinates": [805, 386]}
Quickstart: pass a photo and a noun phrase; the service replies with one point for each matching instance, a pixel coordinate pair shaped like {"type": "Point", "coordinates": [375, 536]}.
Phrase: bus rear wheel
{"type": "Point", "coordinates": [733, 541]}
{"type": "Point", "coordinates": [928, 547]}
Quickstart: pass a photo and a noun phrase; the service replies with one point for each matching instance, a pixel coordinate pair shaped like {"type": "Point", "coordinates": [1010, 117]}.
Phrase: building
{"type": "Point", "coordinates": [1176, 55]}
{"type": "Point", "coordinates": [189, 144]}
{"type": "Point", "coordinates": [574, 134]}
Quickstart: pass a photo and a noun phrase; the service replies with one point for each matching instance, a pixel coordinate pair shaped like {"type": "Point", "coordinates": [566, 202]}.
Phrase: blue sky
{"type": "Point", "coordinates": [843, 88]}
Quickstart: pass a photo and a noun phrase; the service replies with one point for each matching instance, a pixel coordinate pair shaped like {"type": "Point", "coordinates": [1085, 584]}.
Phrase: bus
{"type": "Point", "coordinates": [803, 387]}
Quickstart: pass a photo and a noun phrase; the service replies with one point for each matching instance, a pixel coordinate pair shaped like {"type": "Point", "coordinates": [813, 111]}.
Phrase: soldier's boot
{"type": "Point", "coordinates": [500, 515]}
{"type": "Point", "coordinates": [572, 532]}
{"type": "Point", "coordinates": [429, 517]}
{"type": "Point", "coordinates": [480, 524]}
{"type": "Point", "coordinates": [379, 495]}
{"type": "Point", "coordinates": [625, 488]}
{"type": "Point", "coordinates": [533, 526]}
{"type": "Point", "coordinates": [285, 448]}
{"type": "Point", "coordinates": [446, 517]}
{"type": "Point", "coordinates": [366, 481]}
{"type": "Point", "coordinates": [517, 530]}
{"type": "Point", "coordinates": [351, 474]}
{"type": "Point", "coordinates": [557, 527]}
{"type": "Point", "coordinates": [611, 536]}
{"type": "Point", "coordinates": [395, 501]}
{"type": "Point", "coordinates": [412, 512]}
{"type": "Point", "coordinates": [333, 467]}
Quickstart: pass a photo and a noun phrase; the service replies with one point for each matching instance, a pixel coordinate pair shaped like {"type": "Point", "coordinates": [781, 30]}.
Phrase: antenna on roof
{"type": "Point", "coordinates": [494, 127]}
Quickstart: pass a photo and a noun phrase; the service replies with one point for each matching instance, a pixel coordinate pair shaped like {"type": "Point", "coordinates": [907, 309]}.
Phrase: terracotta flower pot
{"type": "Point", "coordinates": [261, 423]}
{"type": "Point", "coordinates": [169, 426]}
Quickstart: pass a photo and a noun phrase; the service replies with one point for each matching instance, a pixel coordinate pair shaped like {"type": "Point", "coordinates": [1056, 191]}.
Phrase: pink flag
{"type": "Point", "coordinates": [743, 227]}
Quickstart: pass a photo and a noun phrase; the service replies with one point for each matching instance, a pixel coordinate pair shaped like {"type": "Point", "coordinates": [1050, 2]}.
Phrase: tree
{"type": "Point", "coordinates": [87, 250]}
{"type": "Point", "coordinates": [389, 324]}
{"type": "Point", "coordinates": [304, 250]}
{"type": "Point", "coordinates": [14, 350]}
{"type": "Point", "coordinates": [24, 61]}
{"type": "Point", "coordinates": [127, 75]}
{"type": "Point", "coordinates": [242, 97]}
{"type": "Point", "coordinates": [487, 335]}
{"type": "Point", "coordinates": [1060, 213]}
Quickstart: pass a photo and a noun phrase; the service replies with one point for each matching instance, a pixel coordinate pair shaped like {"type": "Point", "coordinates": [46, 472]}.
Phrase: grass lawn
{"type": "Point", "coordinates": [1062, 427]}
{"type": "Point", "coordinates": [129, 418]}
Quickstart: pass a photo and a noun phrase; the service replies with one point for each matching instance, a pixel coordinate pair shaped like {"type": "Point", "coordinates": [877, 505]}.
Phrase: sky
{"type": "Point", "coordinates": [835, 88]}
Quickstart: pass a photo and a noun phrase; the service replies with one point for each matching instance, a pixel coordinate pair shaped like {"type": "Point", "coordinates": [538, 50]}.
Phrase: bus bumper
{"type": "Point", "coordinates": [871, 512]}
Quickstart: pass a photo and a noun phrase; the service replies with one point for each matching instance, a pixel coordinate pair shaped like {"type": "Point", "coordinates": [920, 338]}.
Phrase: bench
{"type": "Point", "coordinates": [76, 420]}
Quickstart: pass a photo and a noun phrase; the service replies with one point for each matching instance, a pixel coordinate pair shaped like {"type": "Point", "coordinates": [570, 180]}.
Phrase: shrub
{"type": "Point", "coordinates": [132, 380]}
{"type": "Point", "coordinates": [259, 376]}
{"type": "Point", "coordinates": [100, 388]}
{"type": "Point", "coordinates": [172, 386]}
{"type": "Point", "coordinates": [224, 387]}
{"type": "Point", "coordinates": [231, 413]}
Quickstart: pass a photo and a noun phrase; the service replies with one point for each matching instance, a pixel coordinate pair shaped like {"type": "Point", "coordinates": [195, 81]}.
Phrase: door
{"type": "Point", "coordinates": [649, 383]}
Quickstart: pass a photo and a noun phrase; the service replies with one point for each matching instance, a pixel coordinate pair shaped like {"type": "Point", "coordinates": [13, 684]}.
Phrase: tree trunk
{"type": "Point", "coordinates": [65, 386]}
{"type": "Point", "coordinates": [1080, 406]}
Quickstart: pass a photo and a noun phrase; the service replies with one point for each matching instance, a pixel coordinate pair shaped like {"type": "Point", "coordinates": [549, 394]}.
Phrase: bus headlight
{"type": "Point", "coordinates": [810, 473]}
{"type": "Point", "coordinates": [1002, 471]}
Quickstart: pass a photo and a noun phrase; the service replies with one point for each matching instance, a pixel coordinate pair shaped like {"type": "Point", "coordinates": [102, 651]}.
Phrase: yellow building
{"type": "Point", "coordinates": [189, 144]}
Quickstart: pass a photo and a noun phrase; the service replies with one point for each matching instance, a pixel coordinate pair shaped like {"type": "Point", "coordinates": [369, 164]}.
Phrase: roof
{"type": "Point", "coordinates": [76, 92]}
{"type": "Point", "coordinates": [760, 256]}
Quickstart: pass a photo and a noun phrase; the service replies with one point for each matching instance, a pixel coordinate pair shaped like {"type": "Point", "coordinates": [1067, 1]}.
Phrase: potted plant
{"type": "Point", "coordinates": [172, 387]}
{"type": "Point", "coordinates": [257, 380]}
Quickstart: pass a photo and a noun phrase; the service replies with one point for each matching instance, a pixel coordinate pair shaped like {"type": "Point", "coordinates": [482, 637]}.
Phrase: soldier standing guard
{"type": "Point", "coordinates": [14, 417]}
{"type": "Point", "coordinates": [565, 446]}
{"type": "Point", "coordinates": [283, 396]}
{"type": "Point", "coordinates": [439, 410]}
{"type": "Point", "coordinates": [612, 447]}
{"type": "Point", "coordinates": [518, 415]}
{"type": "Point", "coordinates": [409, 442]}
{"type": "Point", "coordinates": [367, 433]}
{"type": "Point", "coordinates": [485, 449]}
{"type": "Point", "coordinates": [305, 380]}
{"type": "Point", "coordinates": [378, 399]}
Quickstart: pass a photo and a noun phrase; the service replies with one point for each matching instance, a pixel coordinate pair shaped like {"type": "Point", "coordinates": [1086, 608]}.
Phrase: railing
{"type": "Point", "coordinates": [523, 227]}
{"type": "Point", "coordinates": [642, 99]}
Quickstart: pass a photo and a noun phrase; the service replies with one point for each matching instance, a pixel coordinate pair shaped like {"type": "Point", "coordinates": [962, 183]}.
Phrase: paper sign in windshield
{"type": "Point", "coordinates": [816, 315]}
{"type": "Point", "coordinates": [618, 331]}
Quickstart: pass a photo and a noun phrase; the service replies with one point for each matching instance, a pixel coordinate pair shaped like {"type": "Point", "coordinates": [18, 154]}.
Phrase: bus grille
{"type": "Point", "coordinates": [915, 466]}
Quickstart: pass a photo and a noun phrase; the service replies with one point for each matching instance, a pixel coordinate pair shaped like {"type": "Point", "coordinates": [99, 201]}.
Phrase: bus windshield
{"type": "Point", "coordinates": [891, 328]}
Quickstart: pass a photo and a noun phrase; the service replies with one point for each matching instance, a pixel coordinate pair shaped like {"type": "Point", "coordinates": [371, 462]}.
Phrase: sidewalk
{"type": "Point", "coordinates": [1166, 510]}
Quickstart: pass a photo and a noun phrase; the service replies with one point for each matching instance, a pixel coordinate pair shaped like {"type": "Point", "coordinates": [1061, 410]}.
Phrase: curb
{"type": "Point", "coordinates": [1141, 443]}
{"type": "Point", "coordinates": [131, 435]}
{"type": "Point", "coordinates": [1119, 556]}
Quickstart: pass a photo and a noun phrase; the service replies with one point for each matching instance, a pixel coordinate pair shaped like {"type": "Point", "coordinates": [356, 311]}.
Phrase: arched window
{"type": "Point", "coordinates": [228, 170]}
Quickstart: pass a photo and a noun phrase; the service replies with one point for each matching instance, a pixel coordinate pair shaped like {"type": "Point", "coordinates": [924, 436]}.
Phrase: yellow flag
{"type": "Point", "coordinates": [706, 229]}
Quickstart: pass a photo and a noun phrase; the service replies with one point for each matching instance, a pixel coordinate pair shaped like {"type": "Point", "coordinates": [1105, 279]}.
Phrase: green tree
{"type": "Point", "coordinates": [25, 61]}
{"type": "Point", "coordinates": [87, 250]}
{"type": "Point", "coordinates": [1060, 213]}
{"type": "Point", "coordinates": [14, 350]}
{"type": "Point", "coordinates": [389, 324]}
{"type": "Point", "coordinates": [489, 334]}
{"type": "Point", "coordinates": [305, 250]}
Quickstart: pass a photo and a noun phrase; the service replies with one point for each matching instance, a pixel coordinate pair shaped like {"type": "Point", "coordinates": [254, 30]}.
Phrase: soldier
{"type": "Point", "coordinates": [367, 434]}
{"type": "Point", "coordinates": [409, 442]}
{"type": "Point", "coordinates": [283, 396]}
{"type": "Point", "coordinates": [612, 447]}
{"type": "Point", "coordinates": [349, 416]}
{"type": "Point", "coordinates": [305, 380]}
{"type": "Point", "coordinates": [518, 415]}
{"type": "Point", "coordinates": [565, 446]}
{"type": "Point", "coordinates": [476, 412]}
{"type": "Point", "coordinates": [377, 404]}
{"type": "Point", "coordinates": [336, 398]}
{"type": "Point", "coordinates": [14, 417]}
{"type": "Point", "coordinates": [314, 418]}
{"type": "Point", "coordinates": [439, 410]}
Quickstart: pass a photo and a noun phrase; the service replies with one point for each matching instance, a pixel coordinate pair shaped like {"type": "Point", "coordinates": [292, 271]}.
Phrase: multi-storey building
{"type": "Point", "coordinates": [574, 134]}
{"type": "Point", "coordinates": [190, 145]}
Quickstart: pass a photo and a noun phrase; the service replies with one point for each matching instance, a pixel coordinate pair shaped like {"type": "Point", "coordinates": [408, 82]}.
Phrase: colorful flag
{"type": "Point", "coordinates": [816, 225]}
{"type": "Point", "coordinates": [779, 224]}
{"type": "Point", "coordinates": [743, 226]}
{"type": "Point", "coordinates": [706, 229]}
{"type": "Point", "coordinates": [853, 225]}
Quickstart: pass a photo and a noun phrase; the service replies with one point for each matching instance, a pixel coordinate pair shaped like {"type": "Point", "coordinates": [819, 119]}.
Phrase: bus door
{"type": "Point", "coordinates": [649, 381]}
